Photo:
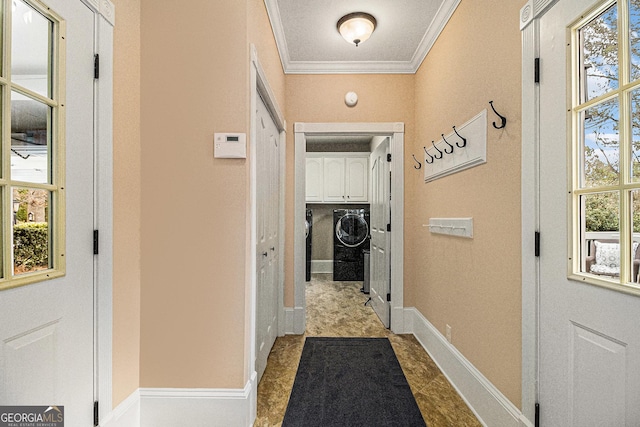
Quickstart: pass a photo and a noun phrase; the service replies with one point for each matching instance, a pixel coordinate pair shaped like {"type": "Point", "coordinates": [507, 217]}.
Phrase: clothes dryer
{"type": "Point", "coordinates": [351, 236]}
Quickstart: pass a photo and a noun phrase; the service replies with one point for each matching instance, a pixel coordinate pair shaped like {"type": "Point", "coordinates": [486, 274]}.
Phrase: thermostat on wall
{"type": "Point", "coordinates": [230, 145]}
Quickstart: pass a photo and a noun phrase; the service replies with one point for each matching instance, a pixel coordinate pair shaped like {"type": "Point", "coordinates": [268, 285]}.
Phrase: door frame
{"type": "Point", "coordinates": [530, 202]}
{"type": "Point", "coordinates": [260, 87]}
{"type": "Point", "coordinates": [103, 206]}
{"type": "Point", "coordinates": [396, 133]}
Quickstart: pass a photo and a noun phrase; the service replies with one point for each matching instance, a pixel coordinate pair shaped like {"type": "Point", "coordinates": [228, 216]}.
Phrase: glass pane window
{"type": "Point", "coordinates": [601, 144]}
{"type": "Point", "coordinates": [599, 54]}
{"type": "Point", "coordinates": [605, 173]}
{"type": "Point", "coordinates": [31, 232]}
{"type": "Point", "coordinates": [30, 121]}
{"type": "Point", "coordinates": [634, 38]}
{"type": "Point", "coordinates": [31, 34]}
{"type": "Point", "coordinates": [32, 175]}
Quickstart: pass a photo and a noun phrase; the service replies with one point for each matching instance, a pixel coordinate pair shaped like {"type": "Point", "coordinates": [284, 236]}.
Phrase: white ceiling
{"type": "Point", "coordinates": [309, 42]}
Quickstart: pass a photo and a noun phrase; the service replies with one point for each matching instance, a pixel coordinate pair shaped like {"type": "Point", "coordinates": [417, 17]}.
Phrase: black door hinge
{"type": "Point", "coordinates": [96, 66]}
{"type": "Point", "coordinates": [96, 241]}
{"type": "Point", "coordinates": [96, 418]}
{"type": "Point", "coordinates": [536, 70]}
{"type": "Point", "coordinates": [537, 420]}
{"type": "Point", "coordinates": [388, 157]}
{"type": "Point", "coordinates": [388, 297]}
{"type": "Point", "coordinates": [388, 227]}
{"type": "Point", "coordinates": [537, 243]}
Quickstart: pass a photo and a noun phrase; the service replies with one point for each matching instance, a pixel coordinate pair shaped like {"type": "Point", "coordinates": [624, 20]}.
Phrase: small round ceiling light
{"type": "Point", "coordinates": [356, 27]}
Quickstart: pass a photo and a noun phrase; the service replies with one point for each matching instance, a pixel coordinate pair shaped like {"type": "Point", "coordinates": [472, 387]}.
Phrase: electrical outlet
{"type": "Point", "coordinates": [448, 333]}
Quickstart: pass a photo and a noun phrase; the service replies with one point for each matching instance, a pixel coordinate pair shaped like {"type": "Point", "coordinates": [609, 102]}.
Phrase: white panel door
{"type": "Point", "coordinates": [47, 328]}
{"type": "Point", "coordinates": [380, 272]}
{"type": "Point", "coordinates": [334, 180]}
{"type": "Point", "coordinates": [314, 179]}
{"type": "Point", "coordinates": [268, 202]}
{"type": "Point", "coordinates": [357, 179]}
{"type": "Point", "coordinates": [589, 342]}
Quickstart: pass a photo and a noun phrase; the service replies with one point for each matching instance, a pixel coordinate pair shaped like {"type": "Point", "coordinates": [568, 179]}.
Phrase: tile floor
{"type": "Point", "coordinates": [336, 309]}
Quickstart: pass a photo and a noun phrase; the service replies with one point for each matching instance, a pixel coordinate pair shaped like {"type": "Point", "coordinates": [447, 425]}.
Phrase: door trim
{"type": "Point", "coordinates": [103, 205]}
{"type": "Point", "coordinates": [529, 26]}
{"type": "Point", "coordinates": [260, 87]}
{"type": "Point", "coordinates": [396, 133]}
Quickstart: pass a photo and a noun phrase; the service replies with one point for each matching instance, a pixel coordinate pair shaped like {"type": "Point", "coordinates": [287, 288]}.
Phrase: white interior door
{"type": "Point", "coordinates": [380, 273]}
{"type": "Point", "coordinates": [268, 244]}
{"type": "Point", "coordinates": [47, 328]}
{"type": "Point", "coordinates": [589, 345]}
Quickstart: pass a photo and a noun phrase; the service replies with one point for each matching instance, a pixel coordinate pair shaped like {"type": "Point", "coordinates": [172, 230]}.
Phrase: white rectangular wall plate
{"type": "Point", "coordinates": [461, 227]}
{"type": "Point", "coordinates": [230, 145]}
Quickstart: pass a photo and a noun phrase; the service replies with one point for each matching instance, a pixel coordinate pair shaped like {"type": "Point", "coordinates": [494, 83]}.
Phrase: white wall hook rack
{"type": "Point", "coordinates": [461, 227]}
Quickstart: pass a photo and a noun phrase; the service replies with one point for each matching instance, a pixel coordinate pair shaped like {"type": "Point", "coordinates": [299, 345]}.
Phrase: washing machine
{"type": "Point", "coordinates": [351, 237]}
{"type": "Point", "coordinates": [308, 229]}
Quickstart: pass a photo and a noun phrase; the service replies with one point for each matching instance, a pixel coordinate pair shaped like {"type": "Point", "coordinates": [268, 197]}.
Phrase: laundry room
{"type": "Point", "coordinates": [338, 188]}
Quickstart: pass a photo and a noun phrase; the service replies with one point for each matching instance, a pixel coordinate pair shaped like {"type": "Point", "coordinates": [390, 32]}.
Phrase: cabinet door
{"type": "Point", "coordinates": [357, 178]}
{"type": "Point", "coordinates": [314, 181]}
{"type": "Point", "coordinates": [334, 182]}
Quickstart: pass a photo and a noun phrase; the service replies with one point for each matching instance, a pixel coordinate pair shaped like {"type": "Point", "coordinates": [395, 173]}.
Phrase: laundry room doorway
{"type": "Point", "coordinates": [346, 167]}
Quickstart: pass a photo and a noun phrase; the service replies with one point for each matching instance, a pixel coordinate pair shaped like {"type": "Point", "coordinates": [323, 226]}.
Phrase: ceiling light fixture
{"type": "Point", "coordinates": [356, 27]}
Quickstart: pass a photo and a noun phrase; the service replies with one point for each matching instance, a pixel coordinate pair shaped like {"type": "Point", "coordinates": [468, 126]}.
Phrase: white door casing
{"type": "Point", "coordinates": [396, 133]}
{"type": "Point", "coordinates": [589, 347]}
{"type": "Point", "coordinates": [268, 235]}
{"type": "Point", "coordinates": [47, 328]}
{"type": "Point", "coordinates": [380, 255]}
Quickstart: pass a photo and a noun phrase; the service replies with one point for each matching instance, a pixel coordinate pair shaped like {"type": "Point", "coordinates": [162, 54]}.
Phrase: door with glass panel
{"type": "Point", "coordinates": [46, 188]}
{"type": "Point", "coordinates": [589, 294]}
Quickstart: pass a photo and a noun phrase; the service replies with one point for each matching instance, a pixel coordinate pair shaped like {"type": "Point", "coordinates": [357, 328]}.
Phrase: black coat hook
{"type": "Point", "coordinates": [464, 140]}
{"type": "Point", "coordinates": [435, 155]}
{"type": "Point", "coordinates": [419, 164]}
{"type": "Point", "coordinates": [446, 142]}
{"type": "Point", "coordinates": [502, 118]}
{"type": "Point", "coordinates": [430, 156]}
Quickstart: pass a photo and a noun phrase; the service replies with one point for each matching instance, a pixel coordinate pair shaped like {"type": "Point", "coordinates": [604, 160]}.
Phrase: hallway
{"type": "Point", "coordinates": [336, 309]}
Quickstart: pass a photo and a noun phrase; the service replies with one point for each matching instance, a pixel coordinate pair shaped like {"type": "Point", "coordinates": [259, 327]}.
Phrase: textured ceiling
{"type": "Point", "coordinates": [309, 42]}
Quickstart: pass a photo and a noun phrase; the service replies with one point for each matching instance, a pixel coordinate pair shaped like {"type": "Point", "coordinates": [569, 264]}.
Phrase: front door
{"type": "Point", "coordinates": [589, 345]}
{"type": "Point", "coordinates": [47, 326]}
{"type": "Point", "coordinates": [268, 243]}
{"type": "Point", "coordinates": [380, 242]}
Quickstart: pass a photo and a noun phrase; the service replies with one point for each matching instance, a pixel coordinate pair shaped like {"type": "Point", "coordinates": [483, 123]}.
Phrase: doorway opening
{"type": "Point", "coordinates": [309, 136]}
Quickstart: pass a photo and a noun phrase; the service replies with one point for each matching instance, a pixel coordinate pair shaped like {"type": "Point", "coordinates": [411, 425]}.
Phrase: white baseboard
{"type": "Point", "coordinates": [490, 406]}
{"type": "Point", "coordinates": [322, 266]}
{"type": "Point", "coordinates": [171, 407]}
{"type": "Point", "coordinates": [294, 320]}
{"type": "Point", "coordinates": [126, 414]}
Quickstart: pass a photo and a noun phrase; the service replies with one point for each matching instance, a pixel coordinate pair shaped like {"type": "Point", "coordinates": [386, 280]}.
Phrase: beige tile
{"type": "Point", "coordinates": [337, 309]}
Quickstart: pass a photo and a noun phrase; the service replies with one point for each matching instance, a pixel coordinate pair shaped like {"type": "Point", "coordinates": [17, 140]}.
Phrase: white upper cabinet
{"type": "Point", "coordinates": [357, 178]}
{"type": "Point", "coordinates": [337, 178]}
{"type": "Point", "coordinates": [314, 179]}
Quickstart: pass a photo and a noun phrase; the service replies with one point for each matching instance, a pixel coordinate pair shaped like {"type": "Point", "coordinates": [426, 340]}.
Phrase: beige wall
{"type": "Point", "coordinates": [126, 200]}
{"type": "Point", "coordinates": [472, 285]}
{"type": "Point", "coordinates": [320, 98]}
{"type": "Point", "coordinates": [179, 308]}
{"type": "Point", "coordinates": [195, 67]}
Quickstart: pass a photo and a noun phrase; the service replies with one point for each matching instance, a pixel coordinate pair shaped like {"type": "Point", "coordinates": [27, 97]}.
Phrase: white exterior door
{"type": "Point", "coordinates": [47, 328]}
{"type": "Point", "coordinates": [589, 345]}
{"type": "Point", "coordinates": [380, 273]}
{"type": "Point", "coordinates": [268, 244]}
